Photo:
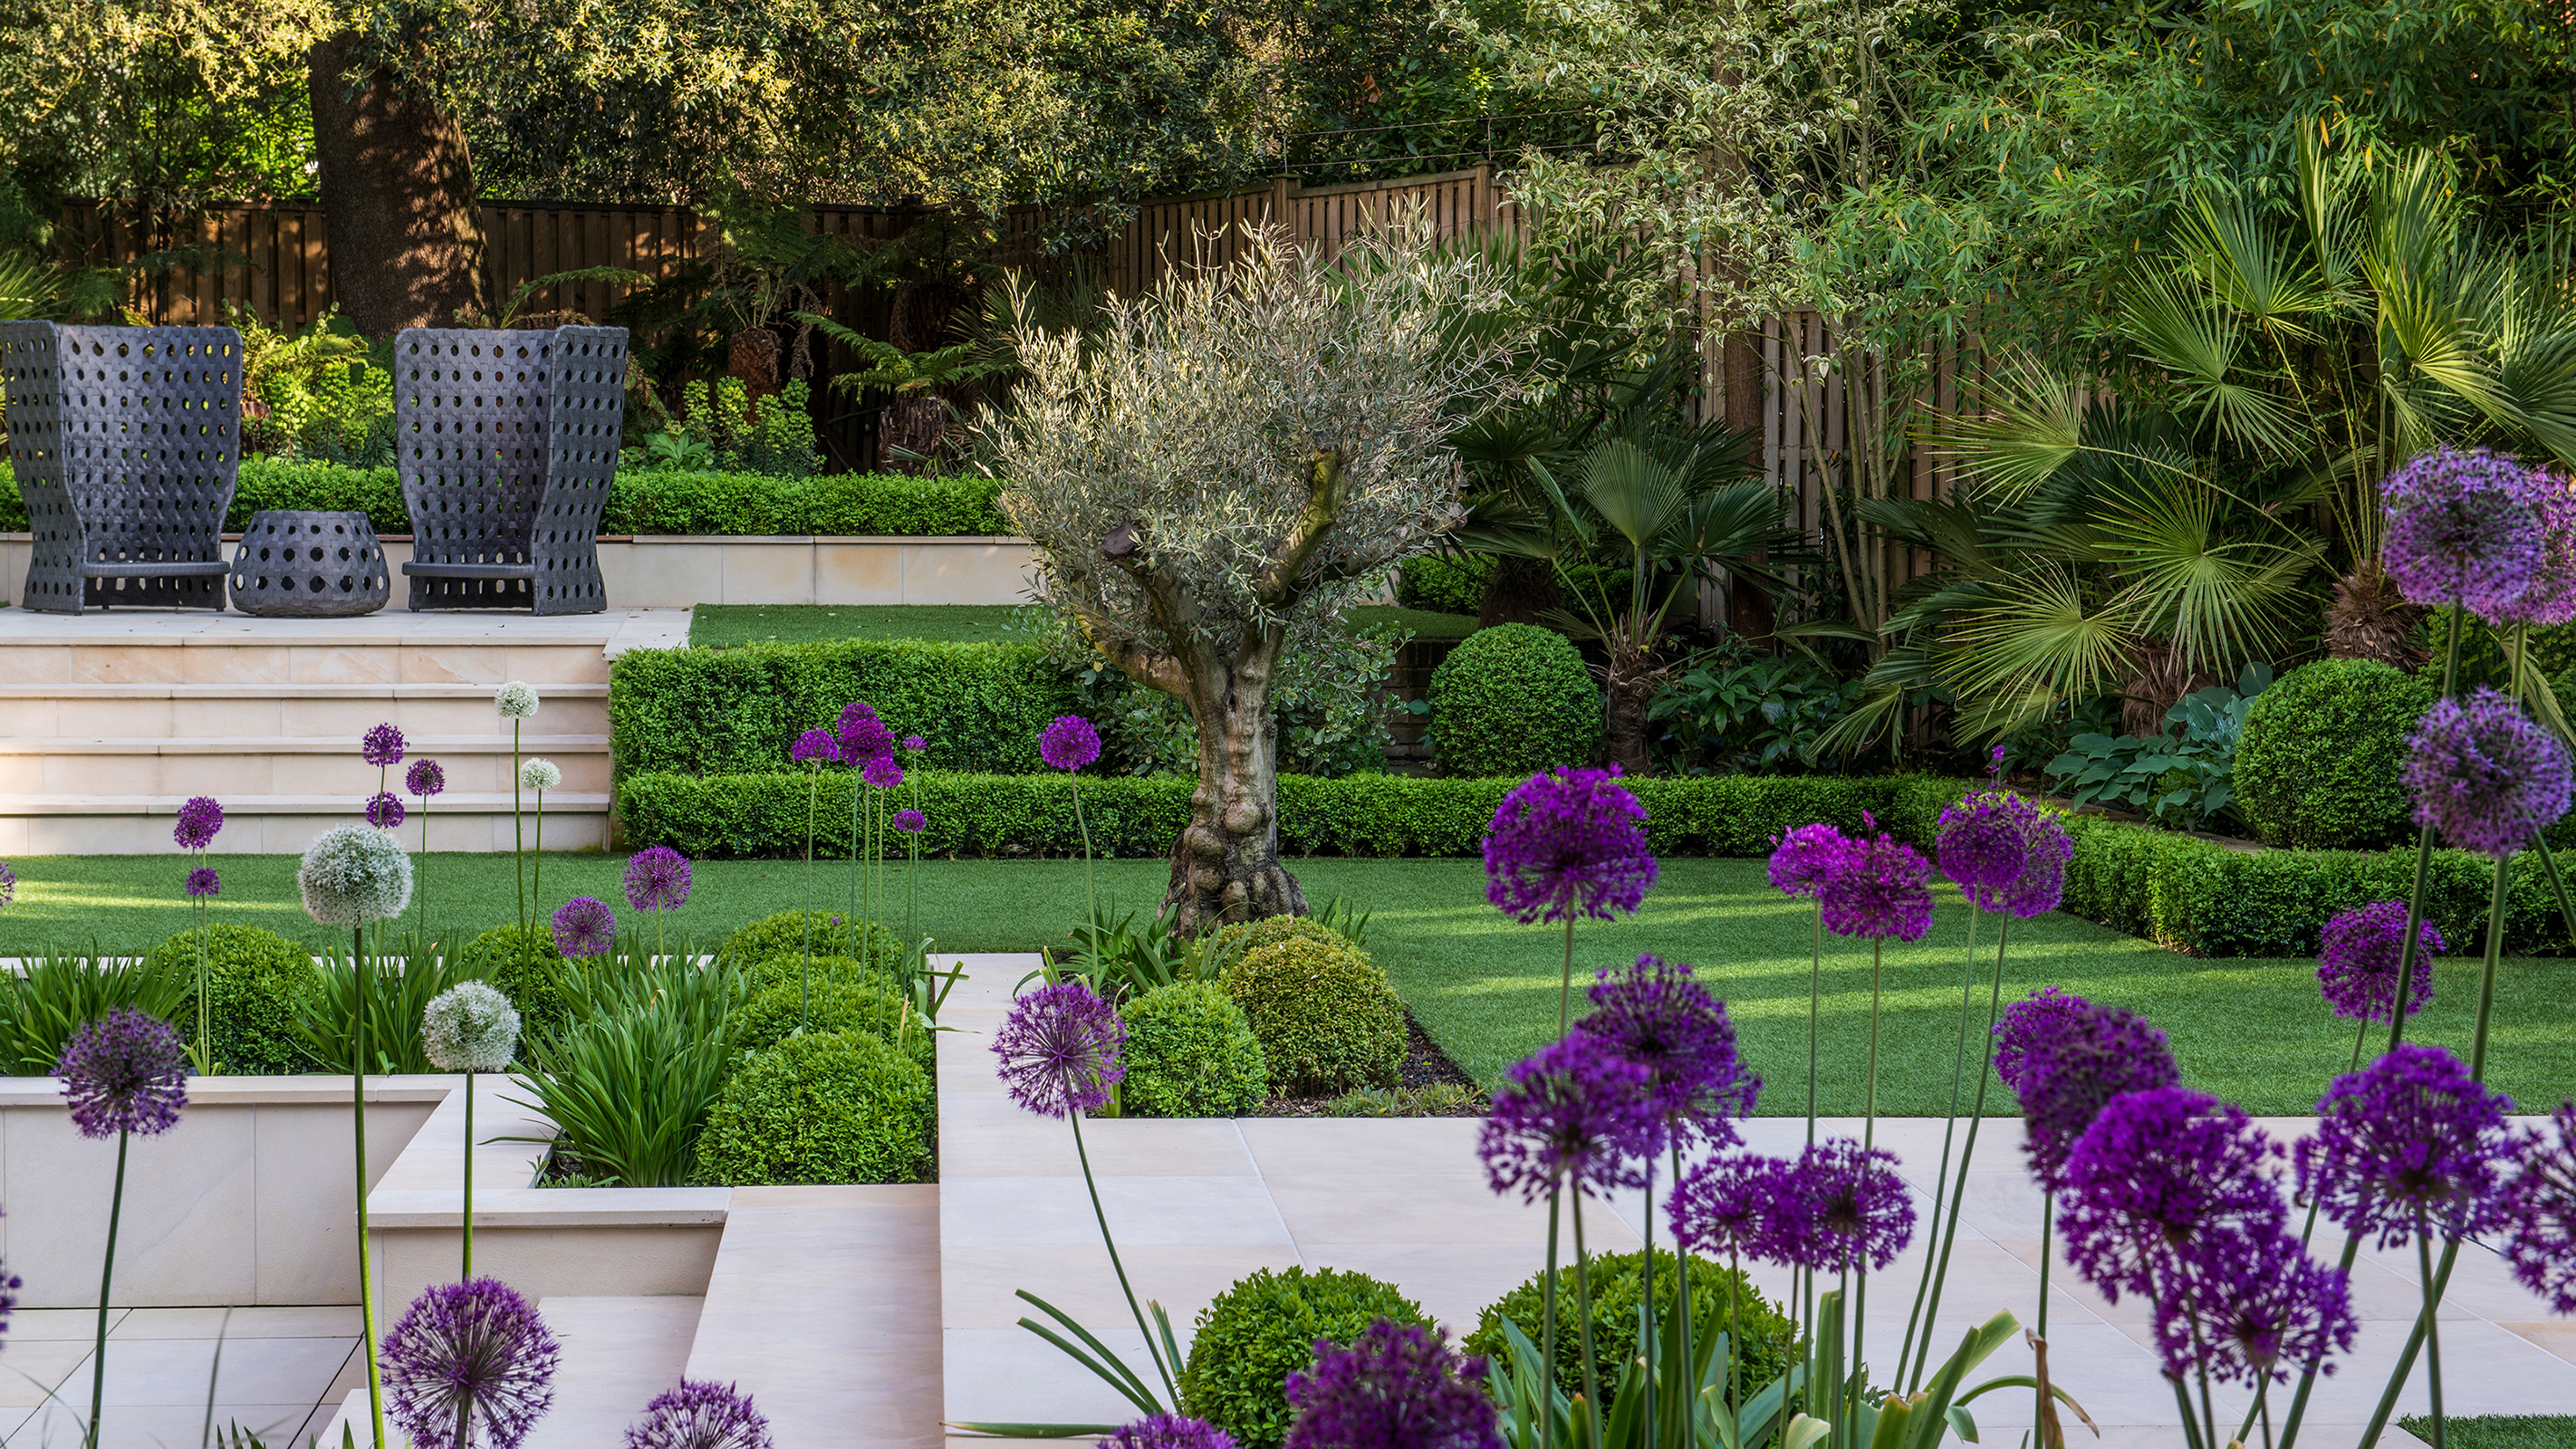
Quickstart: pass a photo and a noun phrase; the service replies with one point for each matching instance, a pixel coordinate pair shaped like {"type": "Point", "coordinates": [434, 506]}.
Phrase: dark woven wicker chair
{"type": "Point", "coordinates": [507, 443]}
{"type": "Point", "coordinates": [126, 442]}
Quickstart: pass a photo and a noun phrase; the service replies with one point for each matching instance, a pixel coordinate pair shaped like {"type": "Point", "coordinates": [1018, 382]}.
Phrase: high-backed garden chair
{"type": "Point", "coordinates": [507, 443]}
{"type": "Point", "coordinates": [126, 442]}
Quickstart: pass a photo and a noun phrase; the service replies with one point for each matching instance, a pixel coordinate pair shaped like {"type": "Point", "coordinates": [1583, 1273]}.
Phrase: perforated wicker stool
{"type": "Point", "coordinates": [507, 442]}
{"type": "Point", "coordinates": [305, 564]}
{"type": "Point", "coordinates": [125, 442]}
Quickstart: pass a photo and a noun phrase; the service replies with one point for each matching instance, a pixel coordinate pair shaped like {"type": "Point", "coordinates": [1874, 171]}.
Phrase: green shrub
{"type": "Point", "coordinates": [2318, 767]}
{"type": "Point", "coordinates": [1445, 585]}
{"type": "Point", "coordinates": [1326, 1018]}
{"type": "Point", "coordinates": [255, 983]}
{"type": "Point", "coordinates": [1512, 700]}
{"type": "Point", "coordinates": [719, 816]}
{"type": "Point", "coordinates": [1264, 1328]}
{"type": "Point", "coordinates": [758, 946]}
{"type": "Point", "coordinates": [269, 483]}
{"type": "Point", "coordinates": [1190, 1053]}
{"type": "Point", "coordinates": [825, 1107]}
{"type": "Point", "coordinates": [526, 967]}
{"type": "Point", "coordinates": [842, 1001]}
{"type": "Point", "coordinates": [1227, 942]}
{"type": "Point", "coordinates": [1763, 1345]}
{"type": "Point", "coordinates": [710, 711]}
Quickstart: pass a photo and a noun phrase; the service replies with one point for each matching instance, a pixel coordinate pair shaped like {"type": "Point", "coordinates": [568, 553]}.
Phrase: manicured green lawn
{"type": "Point", "coordinates": [2249, 1030]}
{"type": "Point", "coordinates": [2534, 1431]}
{"type": "Point", "coordinates": [724, 625]}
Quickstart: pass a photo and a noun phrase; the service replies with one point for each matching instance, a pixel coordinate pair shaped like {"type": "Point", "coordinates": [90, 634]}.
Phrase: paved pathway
{"type": "Point", "coordinates": [277, 1373]}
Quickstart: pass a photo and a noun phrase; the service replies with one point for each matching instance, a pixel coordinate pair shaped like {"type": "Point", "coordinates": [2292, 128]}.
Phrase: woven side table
{"type": "Point", "coordinates": [302, 564]}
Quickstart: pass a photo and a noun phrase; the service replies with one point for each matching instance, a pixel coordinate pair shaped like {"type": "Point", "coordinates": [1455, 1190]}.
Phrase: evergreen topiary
{"type": "Point", "coordinates": [1513, 700]}
{"type": "Point", "coordinates": [255, 981]}
{"type": "Point", "coordinates": [1327, 1020]}
{"type": "Point", "coordinates": [791, 970]}
{"type": "Point", "coordinates": [1762, 1348]}
{"type": "Point", "coordinates": [2318, 766]}
{"type": "Point", "coordinates": [826, 1107]}
{"type": "Point", "coordinates": [841, 1002]}
{"type": "Point", "coordinates": [1230, 941]}
{"type": "Point", "coordinates": [784, 934]}
{"type": "Point", "coordinates": [1264, 1328]}
{"type": "Point", "coordinates": [1190, 1053]}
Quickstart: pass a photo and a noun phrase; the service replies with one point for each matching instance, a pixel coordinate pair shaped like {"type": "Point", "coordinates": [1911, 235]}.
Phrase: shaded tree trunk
{"type": "Point", "coordinates": [1628, 686]}
{"type": "Point", "coordinates": [398, 198]}
{"type": "Point", "coordinates": [1520, 591]}
{"type": "Point", "coordinates": [1225, 862]}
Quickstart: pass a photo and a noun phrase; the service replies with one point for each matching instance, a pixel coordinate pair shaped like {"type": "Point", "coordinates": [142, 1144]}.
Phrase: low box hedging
{"type": "Point", "coordinates": [737, 711]}
{"type": "Point", "coordinates": [647, 502]}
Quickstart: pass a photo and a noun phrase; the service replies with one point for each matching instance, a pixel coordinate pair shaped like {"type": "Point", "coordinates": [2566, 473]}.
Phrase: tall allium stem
{"type": "Point", "coordinates": [2039, 1406]}
{"type": "Point", "coordinates": [106, 1281]}
{"type": "Point", "coordinates": [857, 787]}
{"type": "Point", "coordinates": [2308, 1375]}
{"type": "Point", "coordinates": [1815, 1000]}
{"type": "Point", "coordinates": [205, 1006]}
{"type": "Point", "coordinates": [1648, 1345]}
{"type": "Point", "coordinates": [1547, 1321]}
{"type": "Point", "coordinates": [518, 835]}
{"type": "Point", "coordinates": [1090, 903]}
{"type": "Point", "coordinates": [805, 977]}
{"type": "Point", "coordinates": [2423, 863]}
{"type": "Point", "coordinates": [2431, 1328]}
{"type": "Point", "coordinates": [422, 874]}
{"type": "Point", "coordinates": [537, 863]}
{"type": "Point", "coordinates": [1949, 1228]}
{"type": "Point", "coordinates": [1583, 1306]}
{"type": "Point", "coordinates": [1565, 981]}
{"type": "Point", "coordinates": [2486, 977]}
{"type": "Point", "coordinates": [467, 1275]}
{"type": "Point", "coordinates": [1171, 1393]}
{"type": "Point", "coordinates": [1949, 1125]}
{"type": "Point", "coordinates": [359, 975]}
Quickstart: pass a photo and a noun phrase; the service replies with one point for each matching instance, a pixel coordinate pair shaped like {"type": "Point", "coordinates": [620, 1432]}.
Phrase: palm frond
{"type": "Point", "coordinates": [2249, 266]}
{"type": "Point", "coordinates": [2185, 330]}
{"type": "Point", "coordinates": [1636, 495]}
{"type": "Point", "coordinates": [2033, 423]}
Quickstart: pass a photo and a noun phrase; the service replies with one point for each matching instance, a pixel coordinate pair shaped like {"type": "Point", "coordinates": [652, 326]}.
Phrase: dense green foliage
{"type": "Point", "coordinates": [1228, 942]}
{"type": "Point", "coordinates": [1445, 585]}
{"type": "Point", "coordinates": [1511, 700]}
{"type": "Point", "coordinates": [835, 1002]}
{"type": "Point", "coordinates": [1254, 1334]}
{"type": "Point", "coordinates": [1190, 1053]}
{"type": "Point", "coordinates": [1326, 1018]}
{"type": "Point", "coordinates": [256, 982]}
{"type": "Point", "coordinates": [526, 966]}
{"type": "Point", "coordinates": [41, 1006]}
{"type": "Point", "coordinates": [774, 946]}
{"type": "Point", "coordinates": [827, 1107]}
{"type": "Point", "coordinates": [2318, 764]}
{"type": "Point", "coordinates": [629, 1083]}
{"type": "Point", "coordinates": [1720, 1300]}
{"type": "Point", "coordinates": [1365, 815]}
{"type": "Point", "coordinates": [715, 711]}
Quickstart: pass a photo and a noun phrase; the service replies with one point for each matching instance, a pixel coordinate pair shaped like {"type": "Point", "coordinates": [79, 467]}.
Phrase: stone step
{"type": "Point", "coordinates": [224, 766]}
{"type": "Point", "coordinates": [305, 711]}
{"type": "Point", "coordinates": [384, 649]}
{"type": "Point", "coordinates": [273, 824]}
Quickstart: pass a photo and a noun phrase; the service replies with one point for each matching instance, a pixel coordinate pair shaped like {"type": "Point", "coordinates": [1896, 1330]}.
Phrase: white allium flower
{"type": "Point", "coordinates": [469, 1027]}
{"type": "Point", "coordinates": [537, 774]}
{"type": "Point", "coordinates": [353, 875]}
{"type": "Point", "coordinates": [516, 700]}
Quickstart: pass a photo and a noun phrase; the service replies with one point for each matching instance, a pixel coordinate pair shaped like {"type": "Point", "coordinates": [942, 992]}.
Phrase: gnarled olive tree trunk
{"type": "Point", "coordinates": [1225, 862]}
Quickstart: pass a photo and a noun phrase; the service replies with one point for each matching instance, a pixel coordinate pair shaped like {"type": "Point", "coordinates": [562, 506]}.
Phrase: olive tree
{"type": "Point", "coordinates": [1216, 471]}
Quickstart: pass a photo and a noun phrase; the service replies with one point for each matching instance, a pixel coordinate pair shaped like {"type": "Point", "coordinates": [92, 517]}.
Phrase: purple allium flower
{"type": "Point", "coordinates": [475, 1348]}
{"type": "Point", "coordinates": [915, 743]}
{"type": "Point", "coordinates": [2069, 1074]}
{"type": "Point", "coordinates": [385, 810]}
{"type": "Point", "coordinates": [657, 879]}
{"type": "Point", "coordinates": [2537, 1208]}
{"type": "Point", "coordinates": [2005, 853]}
{"type": "Point", "coordinates": [8, 884]}
{"type": "Point", "coordinates": [2484, 775]}
{"type": "Point", "coordinates": [882, 772]}
{"type": "Point", "coordinates": [125, 1072]}
{"type": "Point", "coordinates": [1841, 1206]}
{"type": "Point", "coordinates": [700, 1415]}
{"type": "Point", "coordinates": [863, 736]}
{"type": "Point", "coordinates": [1169, 1431]}
{"type": "Point", "coordinates": [383, 746]}
{"type": "Point", "coordinates": [203, 882]}
{"type": "Point", "coordinates": [1803, 860]}
{"type": "Point", "coordinates": [584, 926]}
{"type": "Point", "coordinates": [1068, 743]}
{"type": "Point", "coordinates": [199, 821]}
{"type": "Point", "coordinates": [1656, 1015]}
{"type": "Point", "coordinates": [911, 822]}
{"type": "Point", "coordinates": [2156, 1170]}
{"type": "Point", "coordinates": [815, 747]}
{"type": "Point", "coordinates": [1730, 1205]}
{"type": "Point", "coordinates": [425, 778]}
{"type": "Point", "coordinates": [2039, 1014]}
{"type": "Point", "coordinates": [2407, 1144]}
{"type": "Point", "coordinates": [2462, 529]}
{"type": "Point", "coordinates": [1565, 844]}
{"type": "Point", "coordinates": [1578, 1114]}
{"type": "Point", "coordinates": [1059, 1050]}
{"type": "Point", "coordinates": [1398, 1386]}
{"type": "Point", "coordinates": [2357, 963]}
{"type": "Point", "coordinates": [1883, 891]}
{"type": "Point", "coordinates": [2551, 598]}
{"type": "Point", "coordinates": [2247, 1304]}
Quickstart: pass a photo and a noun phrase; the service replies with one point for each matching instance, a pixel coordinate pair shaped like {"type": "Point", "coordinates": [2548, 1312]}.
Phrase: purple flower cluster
{"type": "Point", "coordinates": [2041, 1014]}
{"type": "Point", "coordinates": [1658, 1016]}
{"type": "Point", "coordinates": [2468, 528]}
{"type": "Point", "coordinates": [1726, 1207]}
{"type": "Point", "coordinates": [2551, 598]}
{"type": "Point", "coordinates": [8, 884]}
{"type": "Point", "coordinates": [473, 1352]}
{"type": "Point", "coordinates": [383, 746]}
{"type": "Point", "coordinates": [2071, 1058]}
{"type": "Point", "coordinates": [1836, 1207]}
{"type": "Point", "coordinates": [700, 1415]}
{"type": "Point", "coordinates": [1579, 1114]}
{"type": "Point", "coordinates": [125, 1072]}
{"type": "Point", "coordinates": [2006, 853]}
{"type": "Point", "coordinates": [657, 879]}
{"type": "Point", "coordinates": [2484, 775]}
{"type": "Point", "coordinates": [1068, 743]}
{"type": "Point", "coordinates": [2537, 1205]}
{"type": "Point", "coordinates": [199, 821]}
{"type": "Point", "coordinates": [1883, 891]}
{"type": "Point", "coordinates": [2409, 1144]}
{"type": "Point", "coordinates": [1059, 1048]}
{"type": "Point", "coordinates": [2155, 1171]}
{"type": "Point", "coordinates": [584, 926]}
{"type": "Point", "coordinates": [2246, 1308]}
{"type": "Point", "coordinates": [203, 882]}
{"type": "Point", "coordinates": [1807, 857]}
{"type": "Point", "coordinates": [911, 822]}
{"type": "Point", "coordinates": [915, 744]}
{"type": "Point", "coordinates": [2358, 959]}
{"type": "Point", "coordinates": [815, 747]}
{"type": "Point", "coordinates": [1169, 1431]}
{"type": "Point", "coordinates": [882, 772]}
{"type": "Point", "coordinates": [425, 778]}
{"type": "Point", "coordinates": [863, 736]}
{"type": "Point", "coordinates": [1398, 1386]}
{"type": "Point", "coordinates": [384, 810]}
{"type": "Point", "coordinates": [1566, 844]}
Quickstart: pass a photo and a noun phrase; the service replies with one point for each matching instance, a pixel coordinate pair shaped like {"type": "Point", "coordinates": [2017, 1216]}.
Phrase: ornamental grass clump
{"type": "Point", "coordinates": [124, 1075]}
{"type": "Point", "coordinates": [470, 1027]}
{"type": "Point", "coordinates": [470, 1365]}
{"type": "Point", "coordinates": [1567, 844]}
{"type": "Point", "coordinates": [200, 820]}
{"type": "Point", "coordinates": [700, 1415]}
